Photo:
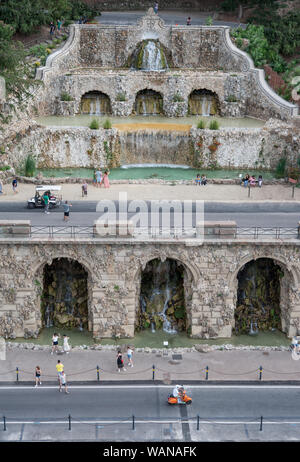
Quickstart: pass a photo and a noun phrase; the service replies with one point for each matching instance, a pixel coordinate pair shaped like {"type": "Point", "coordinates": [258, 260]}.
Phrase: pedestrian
{"type": "Point", "coordinates": [55, 338]}
{"type": "Point", "coordinates": [120, 362]}
{"type": "Point", "coordinates": [59, 23]}
{"type": "Point", "coordinates": [46, 202]}
{"type": "Point", "coordinates": [59, 368]}
{"type": "Point", "coordinates": [66, 344]}
{"type": "Point", "coordinates": [155, 8]}
{"type": "Point", "coordinates": [129, 356]}
{"type": "Point", "coordinates": [260, 180]}
{"type": "Point", "coordinates": [1, 187]}
{"type": "Point", "coordinates": [189, 21]}
{"type": "Point", "coordinates": [67, 210]}
{"type": "Point", "coordinates": [84, 189]}
{"type": "Point", "coordinates": [95, 179]}
{"type": "Point", "coordinates": [63, 381]}
{"type": "Point", "coordinates": [99, 180]}
{"type": "Point", "coordinates": [38, 376]}
{"type": "Point", "coordinates": [52, 29]}
{"type": "Point", "coordinates": [105, 179]}
{"type": "Point", "coordinates": [15, 185]}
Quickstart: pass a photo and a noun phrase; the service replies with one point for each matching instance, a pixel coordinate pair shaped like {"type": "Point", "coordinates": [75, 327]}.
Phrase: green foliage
{"type": "Point", "coordinates": [261, 51]}
{"type": "Point", "coordinates": [27, 15]}
{"type": "Point", "coordinates": [201, 124]}
{"type": "Point", "coordinates": [209, 21]}
{"type": "Point", "coordinates": [177, 98]}
{"type": "Point", "coordinates": [15, 70]}
{"type": "Point", "coordinates": [121, 96]}
{"type": "Point", "coordinates": [231, 99]}
{"type": "Point", "coordinates": [30, 166]}
{"type": "Point", "coordinates": [65, 96]}
{"type": "Point", "coordinates": [280, 168]}
{"type": "Point", "coordinates": [94, 125]}
{"type": "Point", "coordinates": [4, 168]}
{"type": "Point", "coordinates": [214, 125]}
{"type": "Point", "coordinates": [107, 124]}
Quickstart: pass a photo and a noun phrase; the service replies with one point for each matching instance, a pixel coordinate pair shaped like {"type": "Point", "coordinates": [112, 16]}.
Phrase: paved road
{"type": "Point", "coordinates": [227, 412]}
{"type": "Point", "coordinates": [84, 214]}
{"type": "Point", "coordinates": [170, 18]}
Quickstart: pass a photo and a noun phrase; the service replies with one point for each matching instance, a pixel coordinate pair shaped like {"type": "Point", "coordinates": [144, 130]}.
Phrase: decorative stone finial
{"type": "Point", "coordinates": [150, 12]}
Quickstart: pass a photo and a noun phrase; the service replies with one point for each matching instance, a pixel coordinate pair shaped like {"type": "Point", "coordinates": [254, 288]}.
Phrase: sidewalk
{"type": "Point", "coordinates": [180, 367]}
{"type": "Point", "coordinates": [210, 192]}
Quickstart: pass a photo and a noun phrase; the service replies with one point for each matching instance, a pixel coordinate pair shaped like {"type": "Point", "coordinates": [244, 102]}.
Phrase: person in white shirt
{"type": "Point", "coordinates": [66, 344]}
{"type": "Point", "coordinates": [55, 338]}
{"type": "Point", "coordinates": [177, 392]}
{"type": "Point", "coordinates": [129, 356]}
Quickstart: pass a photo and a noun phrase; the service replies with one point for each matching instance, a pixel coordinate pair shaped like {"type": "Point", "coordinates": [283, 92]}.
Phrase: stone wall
{"type": "Point", "coordinates": [114, 269]}
{"type": "Point", "coordinates": [54, 147]}
{"type": "Point", "coordinates": [93, 52]}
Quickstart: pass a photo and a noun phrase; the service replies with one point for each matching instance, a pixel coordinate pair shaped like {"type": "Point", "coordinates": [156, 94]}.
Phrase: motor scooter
{"type": "Point", "coordinates": [185, 399]}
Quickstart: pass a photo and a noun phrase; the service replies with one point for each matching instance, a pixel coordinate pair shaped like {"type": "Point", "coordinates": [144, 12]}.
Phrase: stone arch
{"type": "Point", "coordinates": [148, 102]}
{"type": "Point", "coordinates": [203, 102]}
{"type": "Point", "coordinates": [189, 284]}
{"type": "Point", "coordinates": [95, 102]}
{"type": "Point", "coordinates": [288, 284]}
{"type": "Point", "coordinates": [39, 280]}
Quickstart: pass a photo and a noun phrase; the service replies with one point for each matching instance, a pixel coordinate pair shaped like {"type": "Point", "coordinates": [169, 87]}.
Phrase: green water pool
{"type": "Point", "coordinates": [156, 340]}
{"type": "Point", "coordinates": [82, 120]}
{"type": "Point", "coordinates": [165, 173]}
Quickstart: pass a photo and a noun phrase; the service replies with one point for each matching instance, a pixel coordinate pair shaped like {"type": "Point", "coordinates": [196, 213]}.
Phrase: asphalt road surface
{"type": "Point", "coordinates": [169, 17]}
{"type": "Point", "coordinates": [224, 413]}
{"type": "Point", "coordinates": [84, 213]}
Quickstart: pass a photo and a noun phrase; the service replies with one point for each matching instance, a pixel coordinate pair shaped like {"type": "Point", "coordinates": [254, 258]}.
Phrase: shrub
{"type": "Point", "coordinates": [177, 98]}
{"type": "Point", "coordinates": [232, 99]}
{"type": "Point", "coordinates": [94, 125]}
{"type": "Point", "coordinates": [121, 96]}
{"type": "Point", "coordinates": [201, 124]}
{"type": "Point", "coordinates": [107, 124]}
{"type": "Point", "coordinates": [4, 168]}
{"type": "Point", "coordinates": [65, 96]}
{"type": "Point", "coordinates": [280, 168]}
{"type": "Point", "coordinates": [214, 125]}
{"type": "Point", "coordinates": [30, 166]}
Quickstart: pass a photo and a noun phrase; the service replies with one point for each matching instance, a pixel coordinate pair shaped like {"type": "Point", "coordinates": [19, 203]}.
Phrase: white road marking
{"type": "Point", "coordinates": [188, 387]}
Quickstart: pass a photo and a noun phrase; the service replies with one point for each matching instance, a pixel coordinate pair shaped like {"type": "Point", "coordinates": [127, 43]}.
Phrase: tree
{"type": "Point", "coordinates": [13, 67]}
{"type": "Point", "coordinates": [261, 5]}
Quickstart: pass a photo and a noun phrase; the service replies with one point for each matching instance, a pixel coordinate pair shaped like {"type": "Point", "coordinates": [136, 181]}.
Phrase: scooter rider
{"type": "Point", "coordinates": [178, 393]}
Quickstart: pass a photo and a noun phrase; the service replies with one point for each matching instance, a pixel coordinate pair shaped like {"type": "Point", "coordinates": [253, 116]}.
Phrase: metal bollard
{"type": "Point", "coordinates": [98, 375]}
{"type": "Point", "coordinates": [70, 422]}
{"type": "Point", "coordinates": [133, 423]}
{"type": "Point", "coordinates": [198, 422]}
{"type": "Point", "coordinates": [153, 372]}
{"type": "Point", "coordinates": [248, 191]}
{"type": "Point", "coordinates": [206, 375]}
{"type": "Point", "coordinates": [261, 424]}
{"type": "Point", "coordinates": [17, 372]}
{"type": "Point", "coordinates": [4, 423]}
{"type": "Point", "coordinates": [260, 372]}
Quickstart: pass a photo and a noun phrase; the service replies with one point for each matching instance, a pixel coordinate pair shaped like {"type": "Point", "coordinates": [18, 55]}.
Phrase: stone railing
{"type": "Point", "coordinates": [118, 230]}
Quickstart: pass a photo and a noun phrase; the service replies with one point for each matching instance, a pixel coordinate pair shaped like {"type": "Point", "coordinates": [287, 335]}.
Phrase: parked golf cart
{"type": "Point", "coordinates": [38, 202]}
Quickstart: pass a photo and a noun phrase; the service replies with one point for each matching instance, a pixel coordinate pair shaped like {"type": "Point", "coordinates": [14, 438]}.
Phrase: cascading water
{"type": "Point", "coordinates": [151, 57]}
{"type": "Point", "coordinates": [154, 147]}
{"type": "Point", "coordinates": [65, 295]}
{"type": "Point", "coordinates": [162, 297]}
{"type": "Point", "coordinates": [258, 297]}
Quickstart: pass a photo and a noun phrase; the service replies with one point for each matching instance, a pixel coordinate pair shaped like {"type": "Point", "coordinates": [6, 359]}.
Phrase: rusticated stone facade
{"type": "Point", "coordinates": [114, 269]}
{"type": "Point", "coordinates": [229, 147]}
{"type": "Point", "coordinates": [97, 58]}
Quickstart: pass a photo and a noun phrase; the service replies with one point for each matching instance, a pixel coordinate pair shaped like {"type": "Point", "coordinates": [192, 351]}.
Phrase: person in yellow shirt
{"type": "Point", "coordinates": [59, 368]}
